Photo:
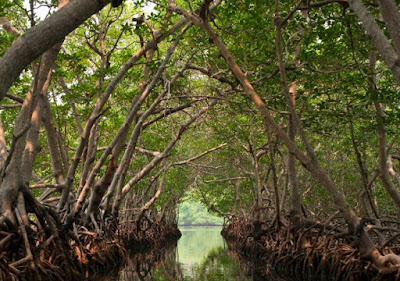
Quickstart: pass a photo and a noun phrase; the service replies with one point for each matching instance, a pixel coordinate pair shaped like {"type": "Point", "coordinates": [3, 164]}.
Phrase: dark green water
{"type": "Point", "coordinates": [201, 254]}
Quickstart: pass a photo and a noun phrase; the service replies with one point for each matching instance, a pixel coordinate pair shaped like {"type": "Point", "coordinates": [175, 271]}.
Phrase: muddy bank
{"type": "Point", "coordinates": [142, 235]}
{"type": "Point", "coordinates": [81, 254]}
{"type": "Point", "coordinates": [312, 252]}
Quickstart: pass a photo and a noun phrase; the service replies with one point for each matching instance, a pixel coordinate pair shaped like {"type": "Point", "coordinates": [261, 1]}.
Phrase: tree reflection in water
{"type": "Point", "coordinates": [189, 261]}
{"type": "Point", "coordinates": [220, 264]}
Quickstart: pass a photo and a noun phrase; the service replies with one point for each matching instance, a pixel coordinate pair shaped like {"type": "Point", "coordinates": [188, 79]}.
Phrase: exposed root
{"type": "Point", "coordinates": [314, 250]}
{"type": "Point", "coordinates": [147, 232]}
{"type": "Point", "coordinates": [39, 250]}
{"type": "Point", "coordinates": [38, 247]}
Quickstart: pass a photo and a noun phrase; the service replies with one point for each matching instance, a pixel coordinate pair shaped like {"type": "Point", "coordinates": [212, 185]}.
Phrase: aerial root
{"type": "Point", "coordinates": [147, 233]}
{"type": "Point", "coordinates": [36, 247]}
{"type": "Point", "coordinates": [32, 247]}
{"type": "Point", "coordinates": [29, 256]}
{"type": "Point", "coordinates": [310, 251]}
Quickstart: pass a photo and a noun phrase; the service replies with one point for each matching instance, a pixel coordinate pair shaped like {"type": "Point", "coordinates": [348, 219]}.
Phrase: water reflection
{"type": "Point", "coordinates": [201, 254]}
{"type": "Point", "coordinates": [196, 244]}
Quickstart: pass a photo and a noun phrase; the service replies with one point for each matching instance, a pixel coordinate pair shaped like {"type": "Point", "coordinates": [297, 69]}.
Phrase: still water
{"type": "Point", "coordinates": [201, 254]}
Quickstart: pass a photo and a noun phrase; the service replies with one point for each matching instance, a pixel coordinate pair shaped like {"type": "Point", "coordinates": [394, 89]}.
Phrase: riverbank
{"type": "Point", "coordinates": [82, 254]}
{"type": "Point", "coordinates": [200, 254]}
{"type": "Point", "coordinates": [312, 252]}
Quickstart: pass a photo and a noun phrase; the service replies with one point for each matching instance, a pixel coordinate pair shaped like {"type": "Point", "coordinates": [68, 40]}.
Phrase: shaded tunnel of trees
{"type": "Point", "coordinates": [282, 117]}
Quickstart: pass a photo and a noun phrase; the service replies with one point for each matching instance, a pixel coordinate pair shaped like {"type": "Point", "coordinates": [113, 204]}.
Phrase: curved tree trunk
{"type": "Point", "coordinates": [377, 36]}
{"type": "Point", "coordinates": [42, 37]}
{"type": "Point", "coordinates": [391, 15]}
{"type": "Point", "coordinates": [310, 162]}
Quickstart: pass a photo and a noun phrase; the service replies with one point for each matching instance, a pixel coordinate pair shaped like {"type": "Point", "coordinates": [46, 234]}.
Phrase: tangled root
{"type": "Point", "coordinates": [313, 251]}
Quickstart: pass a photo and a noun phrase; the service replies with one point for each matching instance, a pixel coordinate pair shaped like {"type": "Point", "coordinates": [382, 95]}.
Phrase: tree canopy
{"type": "Point", "coordinates": [284, 109]}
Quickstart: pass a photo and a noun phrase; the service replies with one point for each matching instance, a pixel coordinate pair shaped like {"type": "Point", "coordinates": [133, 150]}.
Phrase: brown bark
{"type": "Point", "coordinates": [10, 175]}
{"type": "Point", "coordinates": [120, 174]}
{"type": "Point", "coordinates": [391, 169]}
{"type": "Point", "coordinates": [31, 145]}
{"type": "Point", "coordinates": [51, 133]}
{"type": "Point", "coordinates": [41, 37]}
{"type": "Point", "coordinates": [135, 133]}
{"type": "Point", "coordinates": [391, 16]}
{"type": "Point", "coordinates": [309, 163]}
{"type": "Point", "coordinates": [156, 160]}
{"type": "Point", "coordinates": [159, 36]}
{"type": "Point", "coordinates": [187, 161]}
{"type": "Point", "coordinates": [257, 175]}
{"type": "Point", "coordinates": [89, 156]}
{"type": "Point", "coordinates": [377, 37]}
{"type": "Point", "coordinates": [238, 201]}
{"type": "Point", "coordinates": [271, 149]}
{"type": "Point", "coordinates": [383, 167]}
{"type": "Point", "coordinates": [166, 113]}
{"type": "Point", "coordinates": [8, 26]}
{"type": "Point", "coordinates": [101, 185]}
{"type": "Point", "coordinates": [157, 194]}
{"type": "Point", "coordinates": [3, 147]}
{"type": "Point", "coordinates": [18, 169]}
{"type": "Point", "coordinates": [295, 196]}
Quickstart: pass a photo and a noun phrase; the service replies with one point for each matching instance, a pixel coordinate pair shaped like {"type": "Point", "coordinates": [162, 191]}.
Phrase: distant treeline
{"type": "Point", "coordinates": [192, 213]}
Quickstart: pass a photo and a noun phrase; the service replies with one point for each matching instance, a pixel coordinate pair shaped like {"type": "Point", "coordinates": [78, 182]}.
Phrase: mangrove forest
{"type": "Point", "coordinates": [275, 121]}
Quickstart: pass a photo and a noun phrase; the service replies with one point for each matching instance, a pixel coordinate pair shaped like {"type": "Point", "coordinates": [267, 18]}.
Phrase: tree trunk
{"type": "Point", "coordinates": [377, 36]}
{"type": "Point", "coordinates": [42, 37]}
{"type": "Point", "coordinates": [10, 175]}
{"type": "Point", "coordinates": [122, 133]}
{"type": "Point", "coordinates": [156, 160]}
{"type": "Point", "coordinates": [383, 167]}
{"type": "Point", "coordinates": [52, 142]}
{"type": "Point", "coordinates": [3, 147]}
{"type": "Point", "coordinates": [32, 145]}
{"type": "Point", "coordinates": [295, 196]}
{"type": "Point", "coordinates": [158, 36]}
{"type": "Point", "coordinates": [310, 164]}
{"type": "Point", "coordinates": [390, 13]}
{"type": "Point", "coordinates": [271, 149]}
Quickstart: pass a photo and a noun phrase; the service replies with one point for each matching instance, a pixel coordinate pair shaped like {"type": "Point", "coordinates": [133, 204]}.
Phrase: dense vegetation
{"type": "Point", "coordinates": [281, 116]}
{"type": "Point", "coordinates": [194, 213]}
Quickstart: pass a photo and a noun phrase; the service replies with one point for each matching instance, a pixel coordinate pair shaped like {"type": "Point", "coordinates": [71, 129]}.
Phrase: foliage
{"type": "Point", "coordinates": [194, 213]}
{"type": "Point", "coordinates": [333, 97]}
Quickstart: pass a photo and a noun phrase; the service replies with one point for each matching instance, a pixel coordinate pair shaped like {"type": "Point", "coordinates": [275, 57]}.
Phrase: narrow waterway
{"type": "Point", "coordinates": [203, 254]}
{"type": "Point", "coordinates": [200, 254]}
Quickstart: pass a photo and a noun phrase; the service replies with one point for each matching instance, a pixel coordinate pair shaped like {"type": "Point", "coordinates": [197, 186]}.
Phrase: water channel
{"type": "Point", "coordinates": [200, 254]}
